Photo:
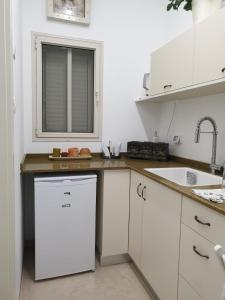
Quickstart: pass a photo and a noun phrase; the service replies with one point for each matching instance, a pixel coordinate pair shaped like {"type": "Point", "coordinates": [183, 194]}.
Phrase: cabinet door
{"type": "Point", "coordinates": [161, 234]}
{"type": "Point", "coordinates": [205, 221]}
{"type": "Point", "coordinates": [204, 273]}
{"type": "Point", "coordinates": [136, 216]}
{"type": "Point", "coordinates": [209, 60]}
{"type": "Point", "coordinates": [172, 65]}
{"type": "Point", "coordinates": [115, 212]}
{"type": "Point", "coordinates": [186, 292]}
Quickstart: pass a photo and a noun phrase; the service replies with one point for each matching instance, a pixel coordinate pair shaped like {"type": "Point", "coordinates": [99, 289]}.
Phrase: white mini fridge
{"type": "Point", "coordinates": [64, 225]}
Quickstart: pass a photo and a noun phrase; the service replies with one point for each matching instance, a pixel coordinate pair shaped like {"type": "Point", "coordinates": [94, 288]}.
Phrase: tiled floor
{"type": "Point", "coordinates": [118, 282]}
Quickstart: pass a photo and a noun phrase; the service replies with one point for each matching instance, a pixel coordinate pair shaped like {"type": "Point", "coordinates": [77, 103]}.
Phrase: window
{"type": "Point", "coordinates": [67, 78]}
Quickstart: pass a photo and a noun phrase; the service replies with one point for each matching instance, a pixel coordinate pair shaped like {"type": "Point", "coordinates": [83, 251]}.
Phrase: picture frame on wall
{"type": "Point", "coordinates": [77, 11]}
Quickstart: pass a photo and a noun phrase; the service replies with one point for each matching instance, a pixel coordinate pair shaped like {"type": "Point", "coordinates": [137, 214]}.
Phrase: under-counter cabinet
{"type": "Point", "coordinates": [185, 291]}
{"type": "Point", "coordinates": [209, 61]}
{"type": "Point", "coordinates": [113, 215]}
{"type": "Point", "coordinates": [137, 190]}
{"type": "Point", "coordinates": [201, 230]}
{"type": "Point", "coordinates": [172, 65]}
{"type": "Point", "coordinates": [154, 243]}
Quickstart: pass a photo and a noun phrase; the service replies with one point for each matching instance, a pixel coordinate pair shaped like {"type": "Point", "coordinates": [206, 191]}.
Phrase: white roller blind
{"type": "Point", "coordinates": [82, 90]}
{"type": "Point", "coordinates": [67, 89]}
{"type": "Point", "coordinates": [54, 88]}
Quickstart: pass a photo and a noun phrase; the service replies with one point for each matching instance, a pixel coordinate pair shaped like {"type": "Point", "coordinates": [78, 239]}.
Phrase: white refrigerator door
{"type": "Point", "coordinates": [64, 226]}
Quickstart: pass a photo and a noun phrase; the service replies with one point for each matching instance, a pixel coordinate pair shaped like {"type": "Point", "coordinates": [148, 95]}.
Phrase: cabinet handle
{"type": "Point", "coordinates": [142, 193]}
{"type": "Point", "coordinates": [167, 86]}
{"type": "Point", "coordinates": [223, 70]}
{"type": "Point", "coordinates": [67, 193]}
{"type": "Point", "coordinates": [200, 222]}
{"type": "Point", "coordinates": [138, 190]}
{"type": "Point", "coordinates": [198, 253]}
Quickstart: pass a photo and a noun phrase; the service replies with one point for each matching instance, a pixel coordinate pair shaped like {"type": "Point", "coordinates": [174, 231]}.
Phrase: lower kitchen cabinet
{"type": "Point", "coordinates": [113, 214]}
{"type": "Point", "coordinates": [161, 235]}
{"type": "Point", "coordinates": [185, 292]}
{"type": "Point", "coordinates": [137, 188]}
{"type": "Point", "coordinates": [154, 231]}
{"type": "Point", "coordinates": [200, 266]}
{"type": "Point", "coordinates": [202, 228]}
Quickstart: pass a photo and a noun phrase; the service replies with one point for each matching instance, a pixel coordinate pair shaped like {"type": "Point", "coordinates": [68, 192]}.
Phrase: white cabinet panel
{"type": "Point", "coordinates": [204, 220]}
{"type": "Point", "coordinates": [185, 291]}
{"type": "Point", "coordinates": [209, 60]}
{"type": "Point", "coordinates": [115, 212]}
{"type": "Point", "coordinates": [136, 217]}
{"type": "Point", "coordinates": [205, 274]}
{"type": "Point", "coordinates": [161, 234]}
{"type": "Point", "coordinates": [172, 65]}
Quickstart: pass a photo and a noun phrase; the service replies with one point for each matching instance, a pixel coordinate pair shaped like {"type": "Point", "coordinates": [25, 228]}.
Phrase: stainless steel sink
{"type": "Point", "coordinates": [186, 176]}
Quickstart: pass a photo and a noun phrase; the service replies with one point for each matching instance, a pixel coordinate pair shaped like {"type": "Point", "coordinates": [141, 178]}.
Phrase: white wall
{"type": "Point", "coordinates": [187, 113]}
{"type": "Point", "coordinates": [130, 30]}
{"type": "Point", "coordinates": [18, 136]}
{"type": "Point", "coordinates": [176, 22]}
{"type": "Point", "coordinates": [7, 205]}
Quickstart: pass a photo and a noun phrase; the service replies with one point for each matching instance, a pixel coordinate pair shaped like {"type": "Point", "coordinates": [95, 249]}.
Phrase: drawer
{"type": "Point", "coordinates": [204, 220]}
{"type": "Point", "coordinates": [185, 292]}
{"type": "Point", "coordinates": [205, 275]}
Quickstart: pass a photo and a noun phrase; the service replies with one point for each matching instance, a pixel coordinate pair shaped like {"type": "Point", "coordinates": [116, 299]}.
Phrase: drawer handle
{"type": "Point", "coordinates": [169, 85]}
{"type": "Point", "coordinates": [200, 222]}
{"type": "Point", "coordinates": [198, 253]}
{"type": "Point", "coordinates": [142, 193]}
{"type": "Point", "coordinates": [223, 70]}
{"type": "Point", "coordinates": [138, 190]}
{"type": "Point", "coordinates": [67, 193]}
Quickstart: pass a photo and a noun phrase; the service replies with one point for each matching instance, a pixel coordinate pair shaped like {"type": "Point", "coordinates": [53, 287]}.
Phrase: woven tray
{"type": "Point", "coordinates": [148, 150]}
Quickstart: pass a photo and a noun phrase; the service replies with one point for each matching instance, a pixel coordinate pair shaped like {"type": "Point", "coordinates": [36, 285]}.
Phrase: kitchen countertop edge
{"type": "Point", "coordinates": [38, 163]}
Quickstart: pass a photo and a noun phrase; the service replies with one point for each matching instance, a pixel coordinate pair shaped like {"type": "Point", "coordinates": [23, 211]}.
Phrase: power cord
{"type": "Point", "coordinates": [171, 121]}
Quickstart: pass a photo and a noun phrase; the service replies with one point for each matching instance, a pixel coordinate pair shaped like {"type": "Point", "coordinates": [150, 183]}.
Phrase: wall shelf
{"type": "Point", "coordinates": [208, 88]}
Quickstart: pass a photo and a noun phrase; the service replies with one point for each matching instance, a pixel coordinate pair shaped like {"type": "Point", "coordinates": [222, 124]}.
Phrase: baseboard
{"type": "Point", "coordinates": [114, 259]}
{"type": "Point", "coordinates": [144, 282]}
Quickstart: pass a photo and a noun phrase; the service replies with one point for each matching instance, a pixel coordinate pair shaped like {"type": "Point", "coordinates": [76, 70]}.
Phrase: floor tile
{"type": "Point", "coordinates": [117, 282]}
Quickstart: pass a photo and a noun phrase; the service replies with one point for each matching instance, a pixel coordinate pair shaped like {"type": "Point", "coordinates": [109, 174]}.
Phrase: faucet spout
{"type": "Point", "coordinates": [198, 132]}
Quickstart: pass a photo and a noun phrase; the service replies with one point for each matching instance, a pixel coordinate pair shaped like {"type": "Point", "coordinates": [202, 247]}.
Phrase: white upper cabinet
{"type": "Point", "coordinates": [191, 65]}
{"type": "Point", "coordinates": [172, 65]}
{"type": "Point", "coordinates": [209, 59]}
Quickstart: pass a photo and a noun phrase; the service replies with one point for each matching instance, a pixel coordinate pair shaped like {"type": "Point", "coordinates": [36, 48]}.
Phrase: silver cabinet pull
{"type": "Point", "coordinates": [167, 86]}
{"type": "Point", "coordinates": [198, 253]}
{"type": "Point", "coordinates": [201, 222]}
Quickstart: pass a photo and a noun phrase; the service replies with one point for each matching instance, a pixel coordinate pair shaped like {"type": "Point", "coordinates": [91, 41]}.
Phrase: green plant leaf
{"type": "Point", "coordinates": [169, 6]}
{"type": "Point", "coordinates": [175, 4]}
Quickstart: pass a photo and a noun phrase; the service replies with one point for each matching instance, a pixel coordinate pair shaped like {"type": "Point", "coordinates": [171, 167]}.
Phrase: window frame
{"type": "Point", "coordinates": [37, 40]}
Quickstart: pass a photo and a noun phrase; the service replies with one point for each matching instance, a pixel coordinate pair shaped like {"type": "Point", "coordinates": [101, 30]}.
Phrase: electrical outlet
{"type": "Point", "coordinates": [177, 139]}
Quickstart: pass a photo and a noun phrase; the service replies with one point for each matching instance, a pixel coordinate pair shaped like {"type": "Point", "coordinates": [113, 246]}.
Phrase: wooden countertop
{"type": "Point", "coordinates": [40, 163]}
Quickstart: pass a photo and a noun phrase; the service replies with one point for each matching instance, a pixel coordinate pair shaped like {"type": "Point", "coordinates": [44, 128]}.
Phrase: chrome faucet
{"type": "Point", "coordinates": [213, 165]}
